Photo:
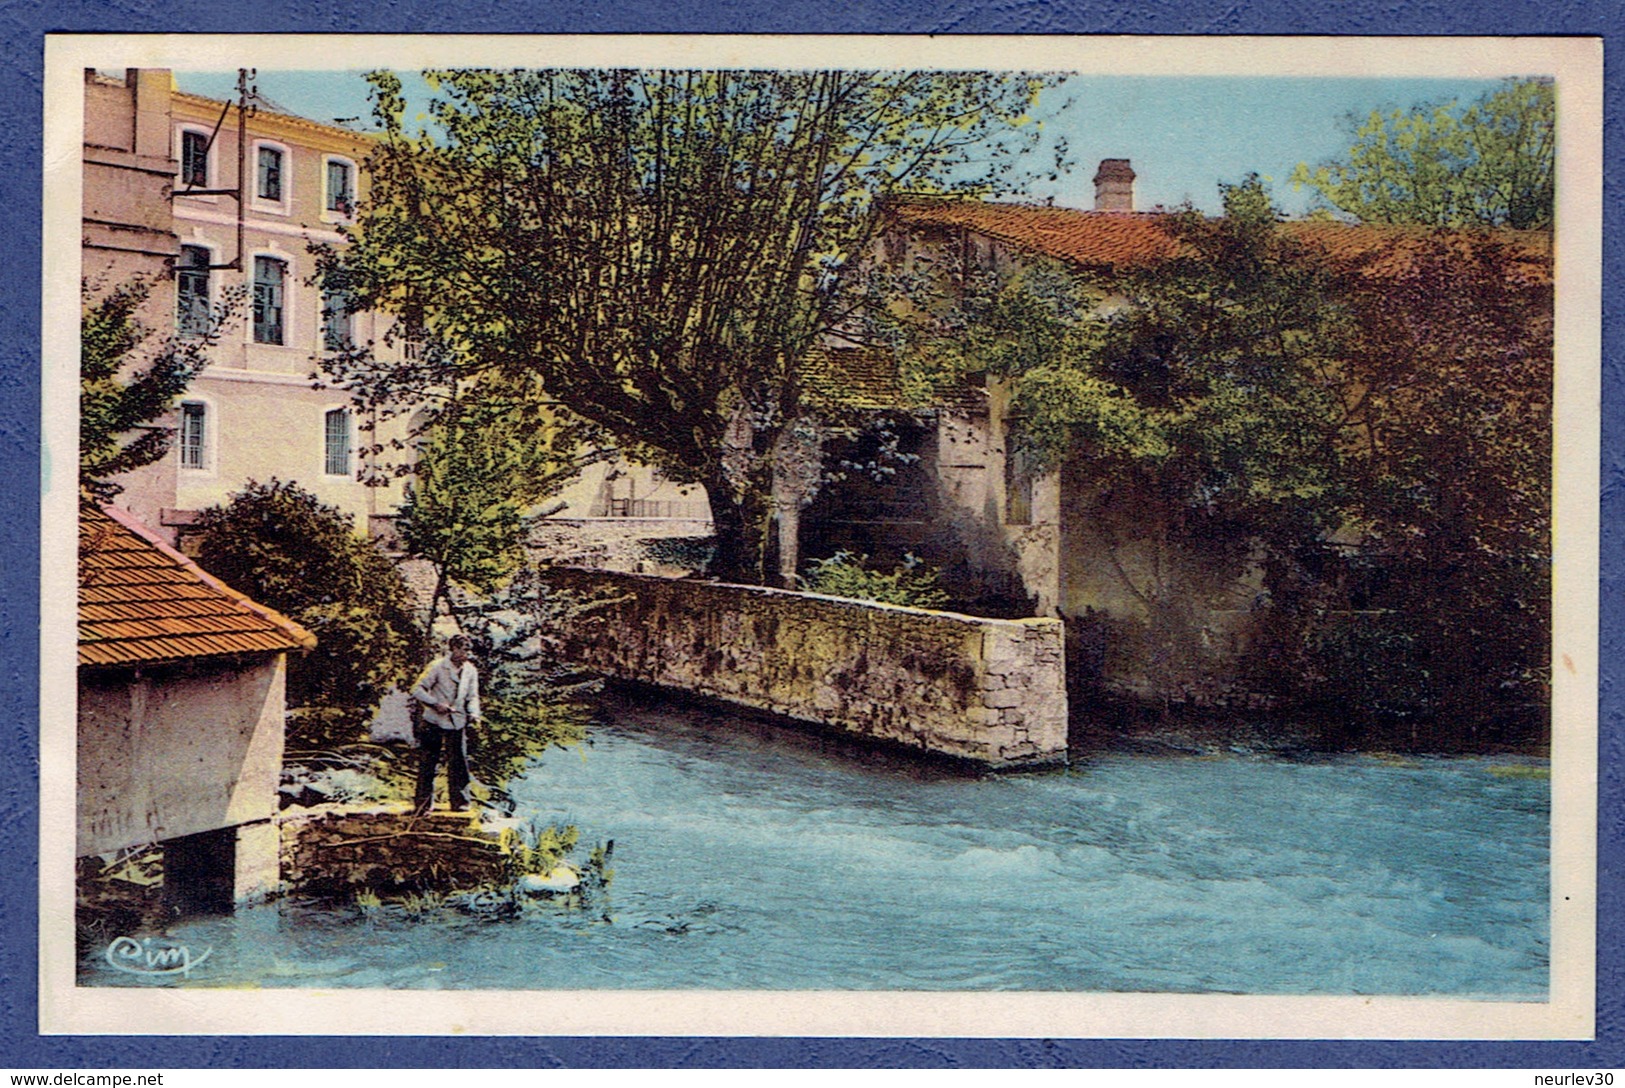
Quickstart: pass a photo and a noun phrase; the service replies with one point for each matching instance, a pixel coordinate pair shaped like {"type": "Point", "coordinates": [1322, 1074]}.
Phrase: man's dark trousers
{"type": "Point", "coordinates": [455, 743]}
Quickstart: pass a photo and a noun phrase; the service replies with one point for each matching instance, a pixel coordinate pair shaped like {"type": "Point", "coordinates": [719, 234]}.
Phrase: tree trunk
{"type": "Point", "coordinates": [740, 528]}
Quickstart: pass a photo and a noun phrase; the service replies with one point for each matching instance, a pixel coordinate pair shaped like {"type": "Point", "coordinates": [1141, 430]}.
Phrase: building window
{"type": "Point", "coordinates": [1018, 484]}
{"type": "Point", "coordinates": [192, 292]}
{"type": "Point", "coordinates": [337, 443]}
{"type": "Point", "coordinates": [340, 187]}
{"type": "Point", "coordinates": [194, 159]}
{"type": "Point", "coordinates": [336, 325]}
{"type": "Point", "coordinates": [269, 276]}
{"type": "Point", "coordinates": [194, 434]}
{"type": "Point", "coordinates": [270, 181]}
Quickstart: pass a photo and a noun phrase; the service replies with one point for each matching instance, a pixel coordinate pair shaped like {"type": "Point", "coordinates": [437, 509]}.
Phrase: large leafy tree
{"type": "Point", "coordinates": [655, 250]}
{"type": "Point", "coordinates": [1451, 438]}
{"type": "Point", "coordinates": [128, 381]}
{"type": "Point", "coordinates": [1488, 163]}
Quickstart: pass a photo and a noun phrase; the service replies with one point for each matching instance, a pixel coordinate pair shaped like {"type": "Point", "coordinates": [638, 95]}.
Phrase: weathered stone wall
{"type": "Point", "coordinates": [612, 543]}
{"type": "Point", "coordinates": [339, 850]}
{"type": "Point", "coordinates": [986, 690]}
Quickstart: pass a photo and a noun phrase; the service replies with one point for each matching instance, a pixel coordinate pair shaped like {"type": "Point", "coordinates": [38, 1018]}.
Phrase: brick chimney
{"type": "Point", "coordinates": [1114, 186]}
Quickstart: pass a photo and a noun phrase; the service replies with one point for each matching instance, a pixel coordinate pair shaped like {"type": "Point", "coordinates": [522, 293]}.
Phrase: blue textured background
{"type": "Point", "coordinates": [23, 24]}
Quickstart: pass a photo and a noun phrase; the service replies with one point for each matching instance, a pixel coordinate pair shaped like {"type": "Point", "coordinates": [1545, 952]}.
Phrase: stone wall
{"type": "Point", "coordinates": [628, 544]}
{"type": "Point", "coordinates": [339, 850]}
{"type": "Point", "coordinates": [992, 691]}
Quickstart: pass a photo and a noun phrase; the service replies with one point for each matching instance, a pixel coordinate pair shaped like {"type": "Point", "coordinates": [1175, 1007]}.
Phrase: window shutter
{"type": "Point", "coordinates": [192, 291]}
{"type": "Point", "coordinates": [269, 274]}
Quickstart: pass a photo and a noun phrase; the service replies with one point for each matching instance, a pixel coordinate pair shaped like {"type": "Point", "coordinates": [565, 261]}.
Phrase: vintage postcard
{"type": "Point", "coordinates": [960, 537]}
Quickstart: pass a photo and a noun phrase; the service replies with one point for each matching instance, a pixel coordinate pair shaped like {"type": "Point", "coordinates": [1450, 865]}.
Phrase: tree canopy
{"type": "Point", "coordinates": [656, 250]}
{"type": "Point", "coordinates": [128, 380]}
{"type": "Point", "coordinates": [482, 465]}
{"type": "Point", "coordinates": [1491, 163]}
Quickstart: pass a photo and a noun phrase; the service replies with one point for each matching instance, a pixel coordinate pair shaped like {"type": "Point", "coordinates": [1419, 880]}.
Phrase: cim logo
{"type": "Point", "coordinates": [153, 956]}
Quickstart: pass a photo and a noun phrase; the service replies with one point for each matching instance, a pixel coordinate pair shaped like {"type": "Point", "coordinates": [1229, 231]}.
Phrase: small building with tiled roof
{"type": "Point", "coordinates": [181, 707]}
{"type": "Point", "coordinates": [964, 498]}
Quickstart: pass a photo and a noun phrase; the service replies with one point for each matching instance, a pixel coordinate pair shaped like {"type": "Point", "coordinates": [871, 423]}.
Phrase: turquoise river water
{"type": "Point", "coordinates": [751, 856]}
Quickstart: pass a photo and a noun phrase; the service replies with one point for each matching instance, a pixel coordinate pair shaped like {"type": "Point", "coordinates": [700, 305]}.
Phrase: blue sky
{"type": "Point", "coordinates": [1184, 134]}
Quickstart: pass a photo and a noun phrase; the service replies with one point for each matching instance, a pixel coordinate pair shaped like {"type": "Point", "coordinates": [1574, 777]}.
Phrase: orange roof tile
{"type": "Point", "coordinates": [1387, 252]}
{"type": "Point", "coordinates": [1093, 239]}
{"type": "Point", "coordinates": [1124, 240]}
{"type": "Point", "coordinates": [142, 602]}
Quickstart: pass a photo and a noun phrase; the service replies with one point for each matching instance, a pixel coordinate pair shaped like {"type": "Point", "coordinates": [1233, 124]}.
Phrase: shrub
{"type": "Point", "coordinates": [845, 575]}
{"type": "Point", "coordinates": [281, 546]}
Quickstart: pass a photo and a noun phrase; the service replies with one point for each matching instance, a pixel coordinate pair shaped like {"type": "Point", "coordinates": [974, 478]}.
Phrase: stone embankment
{"type": "Point", "coordinates": [991, 691]}
{"type": "Point", "coordinates": [338, 850]}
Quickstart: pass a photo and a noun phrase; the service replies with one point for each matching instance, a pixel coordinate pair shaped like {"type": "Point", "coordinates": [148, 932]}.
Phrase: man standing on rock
{"type": "Point", "coordinates": [450, 693]}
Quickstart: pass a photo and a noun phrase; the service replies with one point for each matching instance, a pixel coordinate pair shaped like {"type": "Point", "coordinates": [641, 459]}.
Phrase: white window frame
{"type": "Point", "coordinates": [321, 322]}
{"type": "Point", "coordinates": [209, 279]}
{"type": "Point", "coordinates": [283, 206]}
{"type": "Point", "coordinates": [328, 214]}
{"type": "Point", "coordinates": [211, 161]}
{"type": "Point", "coordinates": [350, 430]}
{"type": "Point", "coordinates": [289, 297]}
{"type": "Point", "coordinates": [211, 429]}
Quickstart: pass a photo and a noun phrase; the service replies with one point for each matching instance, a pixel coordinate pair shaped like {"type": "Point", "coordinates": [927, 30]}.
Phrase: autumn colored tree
{"type": "Point", "coordinates": [1491, 163]}
{"type": "Point", "coordinates": [1451, 438]}
{"type": "Point", "coordinates": [656, 250]}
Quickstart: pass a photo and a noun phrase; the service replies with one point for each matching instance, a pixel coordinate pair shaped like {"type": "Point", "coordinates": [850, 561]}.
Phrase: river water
{"type": "Point", "coordinates": [753, 856]}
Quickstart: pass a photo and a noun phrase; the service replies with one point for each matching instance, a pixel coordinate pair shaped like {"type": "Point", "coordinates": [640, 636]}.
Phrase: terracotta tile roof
{"type": "Point", "coordinates": [852, 377]}
{"type": "Point", "coordinates": [1091, 239]}
{"type": "Point", "coordinates": [1385, 252]}
{"type": "Point", "coordinates": [142, 602]}
{"type": "Point", "coordinates": [1125, 240]}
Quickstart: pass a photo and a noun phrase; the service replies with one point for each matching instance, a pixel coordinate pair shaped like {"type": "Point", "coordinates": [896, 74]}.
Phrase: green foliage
{"type": "Point", "coordinates": [1200, 389]}
{"type": "Point", "coordinates": [516, 731]}
{"type": "Point", "coordinates": [655, 250]}
{"type": "Point", "coordinates": [127, 382]}
{"type": "Point", "coordinates": [368, 905]}
{"type": "Point", "coordinates": [539, 846]}
{"type": "Point", "coordinates": [483, 464]}
{"type": "Point", "coordinates": [1490, 163]}
{"type": "Point", "coordinates": [846, 575]}
{"type": "Point", "coordinates": [691, 553]}
{"type": "Point", "coordinates": [281, 546]}
{"type": "Point", "coordinates": [1230, 411]}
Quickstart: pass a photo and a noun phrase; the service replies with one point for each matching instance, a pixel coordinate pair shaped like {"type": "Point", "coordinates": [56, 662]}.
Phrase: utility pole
{"type": "Point", "coordinates": [246, 94]}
